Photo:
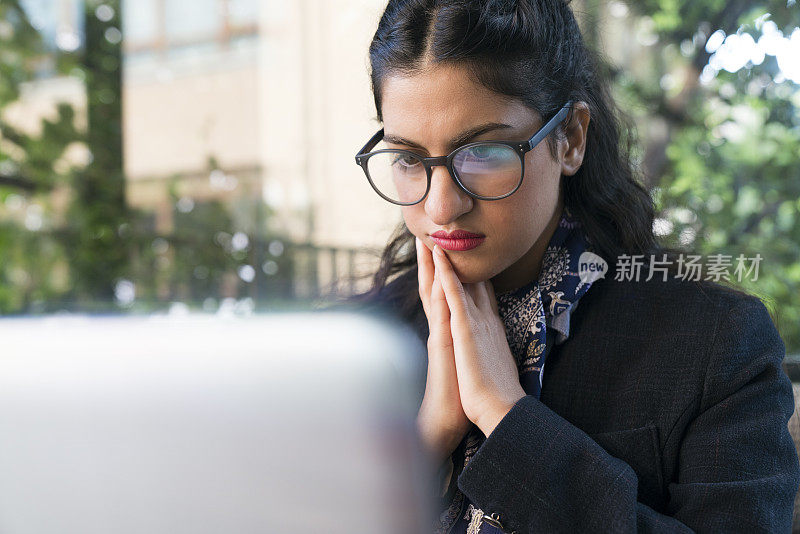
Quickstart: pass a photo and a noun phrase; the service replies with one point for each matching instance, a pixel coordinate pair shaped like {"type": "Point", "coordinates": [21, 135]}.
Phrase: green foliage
{"type": "Point", "coordinates": [33, 270]}
{"type": "Point", "coordinates": [731, 181]}
{"type": "Point", "coordinates": [21, 46]}
{"type": "Point", "coordinates": [737, 173]}
{"type": "Point", "coordinates": [99, 250]}
{"type": "Point", "coordinates": [200, 244]}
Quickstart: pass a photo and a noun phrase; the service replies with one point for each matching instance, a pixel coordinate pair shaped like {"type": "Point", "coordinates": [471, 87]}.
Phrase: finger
{"type": "Point", "coordinates": [424, 274]}
{"type": "Point", "coordinates": [439, 320]}
{"type": "Point", "coordinates": [453, 289]}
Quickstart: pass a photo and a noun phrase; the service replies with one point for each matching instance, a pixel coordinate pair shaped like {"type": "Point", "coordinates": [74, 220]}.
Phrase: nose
{"type": "Point", "coordinates": [445, 202]}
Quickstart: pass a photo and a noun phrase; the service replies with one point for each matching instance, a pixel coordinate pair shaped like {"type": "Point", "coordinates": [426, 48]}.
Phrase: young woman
{"type": "Point", "coordinates": [560, 397]}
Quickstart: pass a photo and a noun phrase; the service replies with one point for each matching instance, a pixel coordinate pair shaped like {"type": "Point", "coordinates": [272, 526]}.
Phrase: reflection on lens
{"type": "Point", "coordinates": [488, 169]}
{"type": "Point", "coordinates": [399, 176]}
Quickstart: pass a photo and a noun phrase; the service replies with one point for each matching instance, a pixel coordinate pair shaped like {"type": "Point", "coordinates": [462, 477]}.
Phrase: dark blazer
{"type": "Point", "coordinates": [665, 411]}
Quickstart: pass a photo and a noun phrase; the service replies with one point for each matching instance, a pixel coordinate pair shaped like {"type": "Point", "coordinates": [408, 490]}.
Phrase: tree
{"type": "Point", "coordinates": [725, 175]}
{"type": "Point", "coordinates": [32, 263]}
{"type": "Point", "coordinates": [98, 214]}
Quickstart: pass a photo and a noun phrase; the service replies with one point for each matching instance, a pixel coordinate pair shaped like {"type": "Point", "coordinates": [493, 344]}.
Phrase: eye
{"type": "Point", "coordinates": [405, 161]}
{"type": "Point", "coordinates": [483, 152]}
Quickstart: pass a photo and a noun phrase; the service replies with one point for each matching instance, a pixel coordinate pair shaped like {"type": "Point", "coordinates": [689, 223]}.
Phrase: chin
{"type": "Point", "coordinates": [471, 274]}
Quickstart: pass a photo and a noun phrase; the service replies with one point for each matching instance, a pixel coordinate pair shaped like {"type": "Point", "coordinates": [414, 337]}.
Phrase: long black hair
{"type": "Point", "coordinates": [531, 50]}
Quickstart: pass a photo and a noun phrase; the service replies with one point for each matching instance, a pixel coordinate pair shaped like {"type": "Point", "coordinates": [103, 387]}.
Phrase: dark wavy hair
{"type": "Point", "coordinates": [531, 50]}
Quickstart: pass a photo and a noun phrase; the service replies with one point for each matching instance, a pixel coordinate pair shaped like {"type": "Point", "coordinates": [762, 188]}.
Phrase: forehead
{"type": "Point", "coordinates": [443, 100]}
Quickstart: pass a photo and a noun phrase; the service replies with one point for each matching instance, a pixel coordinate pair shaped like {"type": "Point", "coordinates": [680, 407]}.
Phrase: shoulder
{"type": "Point", "coordinates": [721, 336]}
{"type": "Point", "coordinates": [674, 305]}
{"type": "Point", "coordinates": [662, 352]}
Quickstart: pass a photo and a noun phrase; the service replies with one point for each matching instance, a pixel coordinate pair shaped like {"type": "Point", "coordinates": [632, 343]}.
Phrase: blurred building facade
{"type": "Point", "coordinates": [254, 102]}
{"type": "Point", "coordinates": [258, 104]}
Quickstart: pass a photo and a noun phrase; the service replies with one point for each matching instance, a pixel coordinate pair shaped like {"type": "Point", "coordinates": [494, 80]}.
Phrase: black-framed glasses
{"type": "Point", "coordinates": [485, 170]}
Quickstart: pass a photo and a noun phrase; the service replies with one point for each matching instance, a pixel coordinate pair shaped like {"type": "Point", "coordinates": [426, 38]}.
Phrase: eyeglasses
{"type": "Point", "coordinates": [485, 170]}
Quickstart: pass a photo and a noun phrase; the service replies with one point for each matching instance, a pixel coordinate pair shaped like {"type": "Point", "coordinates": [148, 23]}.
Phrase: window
{"type": "Point", "coordinates": [191, 21]}
{"type": "Point", "coordinates": [173, 25]}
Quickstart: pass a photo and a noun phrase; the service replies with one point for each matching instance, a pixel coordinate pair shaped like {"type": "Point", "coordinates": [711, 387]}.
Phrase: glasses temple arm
{"type": "Point", "coordinates": [374, 140]}
{"type": "Point", "coordinates": [552, 123]}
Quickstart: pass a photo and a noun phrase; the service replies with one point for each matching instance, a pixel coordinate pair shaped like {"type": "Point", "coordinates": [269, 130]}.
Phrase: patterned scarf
{"type": "Point", "coordinates": [524, 312]}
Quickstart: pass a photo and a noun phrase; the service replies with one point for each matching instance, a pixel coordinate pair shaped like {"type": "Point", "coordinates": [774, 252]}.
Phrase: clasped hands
{"type": "Point", "coordinates": [472, 376]}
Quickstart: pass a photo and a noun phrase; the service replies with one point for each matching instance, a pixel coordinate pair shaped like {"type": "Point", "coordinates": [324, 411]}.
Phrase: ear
{"type": "Point", "coordinates": [573, 148]}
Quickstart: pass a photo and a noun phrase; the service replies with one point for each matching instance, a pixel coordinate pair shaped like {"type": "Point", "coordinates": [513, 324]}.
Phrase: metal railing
{"type": "Point", "coordinates": [268, 271]}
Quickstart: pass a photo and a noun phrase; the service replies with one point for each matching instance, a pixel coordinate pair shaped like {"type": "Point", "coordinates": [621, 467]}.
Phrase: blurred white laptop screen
{"type": "Point", "coordinates": [297, 422]}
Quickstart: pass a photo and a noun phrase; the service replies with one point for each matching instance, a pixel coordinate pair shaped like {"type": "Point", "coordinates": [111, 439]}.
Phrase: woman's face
{"type": "Point", "coordinates": [430, 109]}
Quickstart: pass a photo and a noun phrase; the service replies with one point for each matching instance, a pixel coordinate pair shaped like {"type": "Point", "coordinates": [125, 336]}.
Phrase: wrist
{"type": "Point", "coordinates": [497, 411]}
{"type": "Point", "coordinates": [437, 442]}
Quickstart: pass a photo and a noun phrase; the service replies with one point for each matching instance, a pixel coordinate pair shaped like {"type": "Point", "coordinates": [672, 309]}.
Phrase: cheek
{"type": "Point", "coordinates": [540, 187]}
{"type": "Point", "coordinates": [531, 204]}
{"type": "Point", "coordinates": [412, 217]}
{"type": "Point", "coordinates": [528, 211]}
{"type": "Point", "coordinates": [515, 223]}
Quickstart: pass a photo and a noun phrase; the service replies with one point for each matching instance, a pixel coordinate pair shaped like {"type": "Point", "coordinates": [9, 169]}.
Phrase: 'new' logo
{"type": "Point", "coordinates": [591, 267]}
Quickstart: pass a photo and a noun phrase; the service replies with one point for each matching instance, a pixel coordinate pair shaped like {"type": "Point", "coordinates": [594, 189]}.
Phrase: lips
{"type": "Point", "coordinates": [455, 234]}
{"type": "Point", "coordinates": [457, 240]}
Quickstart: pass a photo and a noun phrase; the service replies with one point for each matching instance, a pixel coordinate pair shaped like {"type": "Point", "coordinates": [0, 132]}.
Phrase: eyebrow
{"type": "Point", "coordinates": [457, 141]}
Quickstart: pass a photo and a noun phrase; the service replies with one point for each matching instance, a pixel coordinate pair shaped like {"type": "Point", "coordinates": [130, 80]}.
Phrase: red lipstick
{"type": "Point", "coordinates": [457, 240]}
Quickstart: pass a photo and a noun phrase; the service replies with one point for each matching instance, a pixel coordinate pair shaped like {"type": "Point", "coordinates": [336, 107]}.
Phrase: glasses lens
{"type": "Point", "coordinates": [399, 176]}
{"type": "Point", "coordinates": [488, 169]}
